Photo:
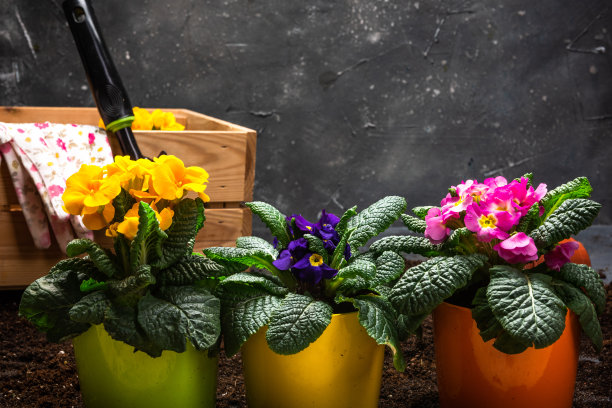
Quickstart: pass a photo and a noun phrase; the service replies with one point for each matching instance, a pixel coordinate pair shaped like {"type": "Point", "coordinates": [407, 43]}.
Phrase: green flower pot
{"type": "Point", "coordinates": [111, 374]}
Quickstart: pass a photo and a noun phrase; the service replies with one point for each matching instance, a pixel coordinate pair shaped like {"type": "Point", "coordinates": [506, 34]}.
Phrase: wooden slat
{"type": "Point", "coordinates": [228, 156]}
{"type": "Point", "coordinates": [21, 263]}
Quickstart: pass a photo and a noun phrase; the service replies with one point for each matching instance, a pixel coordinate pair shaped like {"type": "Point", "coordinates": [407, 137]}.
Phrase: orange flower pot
{"type": "Point", "coordinates": [472, 373]}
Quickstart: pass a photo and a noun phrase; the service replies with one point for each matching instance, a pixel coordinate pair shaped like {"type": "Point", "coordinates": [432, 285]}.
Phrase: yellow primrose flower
{"type": "Point", "coordinates": [99, 218]}
{"type": "Point", "coordinates": [89, 188]}
{"type": "Point", "coordinates": [129, 225]}
{"type": "Point", "coordinates": [171, 178]}
{"type": "Point", "coordinates": [111, 231]}
{"type": "Point", "coordinates": [158, 120]}
{"type": "Point", "coordinates": [165, 121]}
{"type": "Point", "coordinates": [142, 119]}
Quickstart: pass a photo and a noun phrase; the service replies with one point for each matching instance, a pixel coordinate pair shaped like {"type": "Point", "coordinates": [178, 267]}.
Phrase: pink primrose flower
{"type": "Point", "coordinates": [436, 230]}
{"type": "Point", "coordinates": [456, 205]}
{"type": "Point", "coordinates": [495, 182]}
{"type": "Point", "coordinates": [487, 225]}
{"type": "Point", "coordinates": [519, 248]}
{"type": "Point", "coordinates": [500, 202]}
{"type": "Point", "coordinates": [560, 255]}
{"type": "Point", "coordinates": [524, 197]}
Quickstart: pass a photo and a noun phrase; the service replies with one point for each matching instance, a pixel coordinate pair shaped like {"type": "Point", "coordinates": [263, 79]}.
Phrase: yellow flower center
{"type": "Point", "coordinates": [488, 221]}
{"type": "Point", "coordinates": [316, 260]}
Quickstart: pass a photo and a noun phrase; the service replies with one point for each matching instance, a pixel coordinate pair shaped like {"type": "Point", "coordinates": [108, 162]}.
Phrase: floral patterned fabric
{"type": "Point", "coordinates": [40, 157]}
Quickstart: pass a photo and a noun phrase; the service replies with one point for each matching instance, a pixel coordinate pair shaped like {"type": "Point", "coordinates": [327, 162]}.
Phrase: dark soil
{"type": "Point", "coordinates": [35, 373]}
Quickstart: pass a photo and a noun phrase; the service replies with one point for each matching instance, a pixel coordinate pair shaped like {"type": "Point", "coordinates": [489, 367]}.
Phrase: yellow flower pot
{"type": "Point", "coordinates": [111, 374]}
{"type": "Point", "coordinates": [342, 368]}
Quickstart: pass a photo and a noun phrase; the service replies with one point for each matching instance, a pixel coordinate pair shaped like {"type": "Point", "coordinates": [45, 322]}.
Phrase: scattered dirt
{"type": "Point", "coordinates": [35, 373]}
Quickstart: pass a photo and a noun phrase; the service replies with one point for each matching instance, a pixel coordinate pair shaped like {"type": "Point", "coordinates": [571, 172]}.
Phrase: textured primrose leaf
{"type": "Point", "coordinates": [122, 325]}
{"type": "Point", "coordinates": [358, 267]}
{"type": "Point", "coordinates": [585, 277]}
{"type": "Point", "coordinates": [344, 220]}
{"type": "Point", "coordinates": [297, 322]}
{"type": "Point", "coordinates": [490, 328]}
{"type": "Point", "coordinates": [389, 266]}
{"type": "Point", "coordinates": [526, 306]}
{"type": "Point", "coordinates": [250, 257]}
{"type": "Point", "coordinates": [408, 325]}
{"type": "Point", "coordinates": [122, 203]}
{"type": "Point", "coordinates": [407, 244]}
{"type": "Point", "coordinates": [90, 309]}
{"type": "Point", "coordinates": [189, 270]}
{"type": "Point", "coordinates": [98, 255]}
{"type": "Point", "coordinates": [187, 220]}
{"type": "Point", "coordinates": [571, 217]}
{"type": "Point", "coordinates": [182, 312]}
{"type": "Point", "coordinates": [84, 265]}
{"type": "Point", "coordinates": [274, 220]}
{"type": "Point", "coordinates": [577, 188]}
{"type": "Point", "coordinates": [256, 243]}
{"type": "Point", "coordinates": [315, 244]}
{"type": "Point", "coordinates": [374, 220]}
{"type": "Point", "coordinates": [580, 304]}
{"type": "Point", "coordinates": [455, 238]}
{"type": "Point", "coordinates": [248, 302]}
{"type": "Point", "coordinates": [425, 286]}
{"type": "Point", "coordinates": [132, 284]}
{"type": "Point", "coordinates": [378, 317]}
{"type": "Point", "coordinates": [338, 257]}
{"type": "Point", "coordinates": [352, 286]}
{"type": "Point", "coordinates": [414, 224]}
{"type": "Point", "coordinates": [47, 301]}
{"type": "Point", "coordinates": [421, 211]}
{"type": "Point", "coordinates": [530, 220]}
{"type": "Point", "coordinates": [148, 229]}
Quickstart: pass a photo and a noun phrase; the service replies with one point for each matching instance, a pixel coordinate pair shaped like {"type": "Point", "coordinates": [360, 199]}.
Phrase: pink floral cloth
{"type": "Point", "coordinates": [40, 157]}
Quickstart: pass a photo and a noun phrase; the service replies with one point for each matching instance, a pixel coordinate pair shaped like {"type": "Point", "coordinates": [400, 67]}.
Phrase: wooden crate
{"type": "Point", "coordinates": [225, 150]}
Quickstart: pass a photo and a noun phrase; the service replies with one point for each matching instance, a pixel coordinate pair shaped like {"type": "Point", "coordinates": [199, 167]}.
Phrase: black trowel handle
{"type": "Point", "coordinates": [104, 81]}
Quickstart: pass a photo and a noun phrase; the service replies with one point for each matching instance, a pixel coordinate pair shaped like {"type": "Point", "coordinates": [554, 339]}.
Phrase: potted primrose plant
{"type": "Point", "coordinates": [503, 336]}
{"type": "Point", "coordinates": [143, 321]}
{"type": "Point", "coordinates": [313, 316]}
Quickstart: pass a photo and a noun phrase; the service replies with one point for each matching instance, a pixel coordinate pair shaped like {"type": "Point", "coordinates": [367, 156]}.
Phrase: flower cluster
{"type": "Point", "coordinates": [156, 120]}
{"type": "Point", "coordinates": [306, 265]}
{"type": "Point", "coordinates": [161, 183]}
{"type": "Point", "coordinates": [492, 210]}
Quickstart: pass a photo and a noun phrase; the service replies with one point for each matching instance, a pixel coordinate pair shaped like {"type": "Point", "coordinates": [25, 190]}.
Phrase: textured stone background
{"type": "Point", "coordinates": [353, 99]}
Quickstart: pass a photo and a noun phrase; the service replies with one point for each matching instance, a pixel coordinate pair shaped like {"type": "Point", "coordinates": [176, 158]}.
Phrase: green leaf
{"type": "Point", "coordinates": [133, 284]}
{"type": "Point", "coordinates": [182, 312]}
{"type": "Point", "coordinates": [315, 244]}
{"type": "Point", "coordinates": [97, 254]}
{"type": "Point", "coordinates": [83, 265]}
{"type": "Point", "coordinates": [248, 302]}
{"type": "Point", "coordinates": [530, 220]}
{"type": "Point", "coordinates": [47, 301]}
{"type": "Point", "coordinates": [577, 188]}
{"type": "Point", "coordinates": [122, 203]}
{"type": "Point", "coordinates": [338, 257]}
{"type": "Point", "coordinates": [571, 217]}
{"type": "Point", "coordinates": [405, 243]}
{"type": "Point", "coordinates": [425, 286]}
{"type": "Point", "coordinates": [352, 286]}
{"type": "Point", "coordinates": [408, 325]}
{"type": "Point", "coordinates": [297, 322]}
{"type": "Point", "coordinates": [189, 270]}
{"type": "Point", "coordinates": [344, 220]}
{"type": "Point", "coordinates": [378, 317]}
{"type": "Point", "coordinates": [389, 266]}
{"type": "Point", "coordinates": [374, 220]}
{"type": "Point", "coordinates": [585, 277]}
{"type": "Point", "coordinates": [274, 220]}
{"type": "Point", "coordinates": [250, 257]}
{"type": "Point", "coordinates": [90, 309]}
{"type": "Point", "coordinates": [258, 244]}
{"type": "Point", "coordinates": [358, 267]}
{"type": "Point", "coordinates": [122, 325]}
{"type": "Point", "coordinates": [421, 211]}
{"type": "Point", "coordinates": [526, 306]}
{"type": "Point", "coordinates": [414, 224]}
{"type": "Point", "coordinates": [148, 228]}
{"type": "Point", "coordinates": [456, 237]}
{"type": "Point", "coordinates": [490, 328]}
{"type": "Point", "coordinates": [91, 284]}
{"type": "Point", "coordinates": [580, 304]}
{"type": "Point", "coordinates": [188, 216]}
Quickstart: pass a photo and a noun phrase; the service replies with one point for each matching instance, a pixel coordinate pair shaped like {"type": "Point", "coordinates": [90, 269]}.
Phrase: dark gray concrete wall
{"type": "Point", "coordinates": [356, 99]}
